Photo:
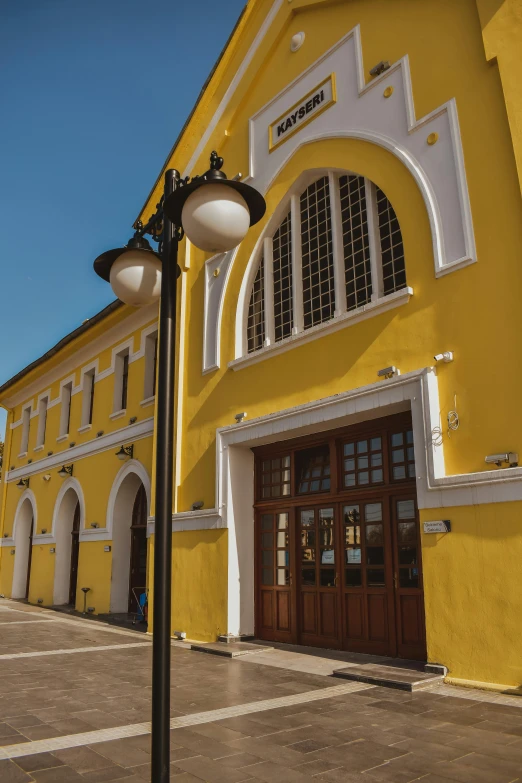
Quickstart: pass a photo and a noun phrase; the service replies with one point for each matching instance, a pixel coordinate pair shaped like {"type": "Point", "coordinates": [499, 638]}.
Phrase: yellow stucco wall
{"type": "Point", "coordinates": [199, 583]}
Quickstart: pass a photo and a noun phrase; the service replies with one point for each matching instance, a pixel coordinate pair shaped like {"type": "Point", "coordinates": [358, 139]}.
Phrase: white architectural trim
{"type": "Point", "coordinates": [348, 318]}
{"type": "Point", "coordinates": [133, 432]}
{"type": "Point", "coordinates": [416, 391]}
{"type": "Point", "coordinates": [69, 483]}
{"type": "Point", "coordinates": [132, 466]}
{"type": "Point", "coordinates": [118, 414]}
{"type": "Point", "coordinates": [85, 428]}
{"type": "Point", "coordinates": [148, 401]}
{"type": "Point", "coordinates": [217, 273]}
{"type": "Point", "coordinates": [27, 494]}
{"type": "Point", "coordinates": [207, 519]}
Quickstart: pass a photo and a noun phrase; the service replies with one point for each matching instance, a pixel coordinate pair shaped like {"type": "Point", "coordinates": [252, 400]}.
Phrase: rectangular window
{"type": "Point", "coordinates": [151, 357]}
{"type": "Point", "coordinates": [317, 254]}
{"type": "Point", "coordinates": [65, 418]}
{"type": "Point", "coordinates": [121, 381]}
{"type": "Point", "coordinates": [42, 421]}
{"type": "Point", "coordinates": [26, 422]}
{"type": "Point", "coordinates": [88, 397]}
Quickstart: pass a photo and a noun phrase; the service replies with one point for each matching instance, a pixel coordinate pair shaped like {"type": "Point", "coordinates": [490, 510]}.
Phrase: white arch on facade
{"type": "Point", "coordinates": [68, 497]}
{"type": "Point", "coordinates": [24, 523]}
{"type": "Point", "coordinates": [119, 519]}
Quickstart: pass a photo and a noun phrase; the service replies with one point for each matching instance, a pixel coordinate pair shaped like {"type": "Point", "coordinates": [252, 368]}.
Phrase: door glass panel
{"type": "Point", "coordinates": [307, 518]}
{"type": "Point", "coordinates": [307, 537]}
{"type": "Point", "coordinates": [327, 556]}
{"type": "Point", "coordinates": [375, 577]}
{"type": "Point", "coordinates": [373, 512]}
{"type": "Point", "coordinates": [353, 555]}
{"type": "Point", "coordinates": [349, 449]}
{"type": "Point", "coordinates": [375, 444]}
{"type": "Point", "coordinates": [362, 446]}
{"type": "Point", "coordinates": [313, 469]}
{"type": "Point", "coordinates": [408, 555]}
{"type": "Point", "coordinates": [356, 468]}
{"type": "Point", "coordinates": [407, 532]}
{"type": "Point", "coordinates": [375, 555]}
{"type": "Point", "coordinates": [275, 480]}
{"type": "Point", "coordinates": [327, 577]}
{"type": "Point", "coordinates": [376, 460]}
{"type": "Point", "coordinates": [406, 509]}
{"type": "Point", "coordinates": [266, 522]}
{"type": "Point", "coordinates": [282, 540]}
{"type": "Point", "coordinates": [402, 455]}
{"type": "Point", "coordinates": [283, 577]}
{"type": "Point", "coordinates": [353, 577]}
{"type": "Point", "coordinates": [399, 472]}
{"type": "Point", "coordinates": [397, 439]}
{"type": "Point", "coordinates": [282, 557]}
{"type": "Point", "coordinates": [282, 521]}
{"type": "Point", "coordinates": [377, 476]}
{"type": "Point", "coordinates": [409, 577]}
{"type": "Point", "coordinates": [267, 558]}
{"type": "Point", "coordinates": [308, 555]}
{"type": "Point", "coordinates": [267, 540]}
{"type": "Point", "coordinates": [268, 576]}
{"type": "Point", "coordinates": [374, 535]}
{"type": "Point", "coordinates": [308, 576]}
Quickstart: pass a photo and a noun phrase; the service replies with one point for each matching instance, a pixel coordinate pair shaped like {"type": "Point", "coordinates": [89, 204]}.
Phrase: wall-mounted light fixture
{"type": "Point", "coordinates": [52, 551]}
{"type": "Point", "coordinates": [13, 551]}
{"type": "Point", "coordinates": [50, 453]}
{"type": "Point", "coordinates": [509, 458]}
{"type": "Point", "coordinates": [447, 356]}
{"type": "Point", "coordinates": [65, 470]}
{"type": "Point", "coordinates": [72, 443]}
{"type": "Point", "coordinates": [99, 433]}
{"type": "Point", "coordinates": [23, 483]}
{"type": "Point", "coordinates": [39, 600]}
{"type": "Point", "coordinates": [240, 416]}
{"type": "Point", "coordinates": [197, 505]}
{"type": "Point", "coordinates": [379, 68]}
{"type": "Point", "coordinates": [44, 530]}
{"type": "Point", "coordinates": [29, 461]}
{"type": "Point", "coordinates": [91, 609]}
{"type": "Point", "coordinates": [94, 524]}
{"type": "Point", "coordinates": [47, 477]}
{"type": "Point", "coordinates": [133, 419]}
{"type": "Point", "coordinates": [388, 372]}
{"type": "Point", "coordinates": [125, 451]}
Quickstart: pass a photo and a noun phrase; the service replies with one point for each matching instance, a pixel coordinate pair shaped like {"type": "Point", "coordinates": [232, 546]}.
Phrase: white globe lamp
{"type": "Point", "coordinates": [135, 277]}
{"type": "Point", "coordinates": [215, 218]}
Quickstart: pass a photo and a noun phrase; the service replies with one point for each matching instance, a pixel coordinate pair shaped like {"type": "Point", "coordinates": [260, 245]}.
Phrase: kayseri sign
{"type": "Point", "coordinates": [301, 113]}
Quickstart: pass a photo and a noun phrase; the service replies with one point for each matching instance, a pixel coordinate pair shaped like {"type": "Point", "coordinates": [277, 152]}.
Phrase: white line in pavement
{"type": "Point", "coordinates": [81, 621]}
{"type": "Point", "coordinates": [25, 622]}
{"type": "Point", "coordinates": [137, 729]}
{"type": "Point", "coordinates": [38, 653]}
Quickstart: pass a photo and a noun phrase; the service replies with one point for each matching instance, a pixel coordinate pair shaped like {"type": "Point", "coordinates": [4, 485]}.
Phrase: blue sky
{"type": "Point", "coordinates": [94, 93]}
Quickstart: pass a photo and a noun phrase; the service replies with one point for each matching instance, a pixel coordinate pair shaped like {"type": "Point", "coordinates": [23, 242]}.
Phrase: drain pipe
{"type": "Point", "coordinates": [85, 590]}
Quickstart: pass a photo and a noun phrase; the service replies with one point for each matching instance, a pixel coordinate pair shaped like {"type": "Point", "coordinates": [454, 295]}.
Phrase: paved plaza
{"type": "Point", "coordinates": [75, 706]}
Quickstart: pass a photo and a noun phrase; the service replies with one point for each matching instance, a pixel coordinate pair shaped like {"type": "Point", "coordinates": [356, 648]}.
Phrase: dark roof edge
{"type": "Point", "coordinates": [63, 342]}
{"type": "Point", "coordinates": [187, 121]}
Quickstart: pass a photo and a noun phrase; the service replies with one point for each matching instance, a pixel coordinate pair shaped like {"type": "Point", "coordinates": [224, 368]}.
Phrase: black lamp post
{"type": "Point", "coordinates": [215, 214]}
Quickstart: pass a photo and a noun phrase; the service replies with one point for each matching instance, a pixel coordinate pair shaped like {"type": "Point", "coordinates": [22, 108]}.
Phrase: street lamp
{"type": "Point", "coordinates": [215, 213]}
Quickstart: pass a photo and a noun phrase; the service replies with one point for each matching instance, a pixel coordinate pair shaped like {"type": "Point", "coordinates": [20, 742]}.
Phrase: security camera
{"type": "Point", "coordinates": [447, 356]}
{"type": "Point", "coordinates": [379, 68]}
{"type": "Point", "coordinates": [509, 458]}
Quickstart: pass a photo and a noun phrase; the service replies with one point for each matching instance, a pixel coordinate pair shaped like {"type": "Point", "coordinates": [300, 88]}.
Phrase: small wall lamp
{"type": "Point", "coordinates": [125, 451]}
{"type": "Point", "coordinates": [47, 477]}
{"type": "Point", "coordinates": [23, 483]}
{"type": "Point", "coordinates": [94, 524]}
{"type": "Point", "coordinates": [388, 372]}
{"type": "Point", "coordinates": [197, 505]}
{"type": "Point", "coordinates": [44, 530]}
{"type": "Point", "coordinates": [65, 470]}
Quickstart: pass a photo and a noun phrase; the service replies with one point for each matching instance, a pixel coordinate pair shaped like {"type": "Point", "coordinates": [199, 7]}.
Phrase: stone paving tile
{"type": "Point", "coordinates": [107, 775]}
{"type": "Point", "coordinates": [464, 773]}
{"type": "Point", "coordinates": [38, 761]}
{"type": "Point", "coordinates": [12, 773]}
{"type": "Point", "coordinates": [271, 772]}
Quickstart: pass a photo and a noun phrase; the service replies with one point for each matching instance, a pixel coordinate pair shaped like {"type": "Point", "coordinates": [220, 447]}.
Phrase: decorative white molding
{"type": "Point", "coordinates": [74, 484]}
{"type": "Point", "coordinates": [348, 318]}
{"type": "Point", "coordinates": [133, 432]}
{"type": "Point", "coordinates": [118, 414]}
{"type": "Point", "coordinates": [416, 391]}
{"type": "Point", "coordinates": [38, 448]}
{"type": "Point", "coordinates": [62, 438]}
{"type": "Point", "coordinates": [95, 534]}
{"type": "Point", "coordinates": [132, 466]}
{"type": "Point", "coordinates": [85, 428]}
{"type": "Point", "coordinates": [207, 519]}
{"type": "Point", "coordinates": [215, 287]}
{"type": "Point", "coordinates": [148, 401]}
{"type": "Point", "coordinates": [23, 455]}
{"type": "Point", "coordinates": [27, 494]}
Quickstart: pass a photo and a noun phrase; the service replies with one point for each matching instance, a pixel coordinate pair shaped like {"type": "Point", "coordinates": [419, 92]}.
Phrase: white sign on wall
{"type": "Point", "coordinates": [301, 113]}
{"type": "Point", "coordinates": [441, 526]}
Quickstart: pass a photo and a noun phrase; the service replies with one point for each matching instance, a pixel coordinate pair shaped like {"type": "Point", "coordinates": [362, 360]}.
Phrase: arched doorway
{"type": "Point", "coordinates": [23, 538]}
{"type": "Point", "coordinates": [66, 527]}
{"type": "Point", "coordinates": [128, 521]}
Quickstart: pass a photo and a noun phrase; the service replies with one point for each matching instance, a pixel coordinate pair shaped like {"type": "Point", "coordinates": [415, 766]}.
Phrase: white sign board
{"type": "Point", "coordinates": [443, 526]}
{"type": "Point", "coordinates": [302, 112]}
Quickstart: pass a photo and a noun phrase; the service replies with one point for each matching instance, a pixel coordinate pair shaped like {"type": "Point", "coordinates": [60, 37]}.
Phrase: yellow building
{"type": "Point", "coordinates": [342, 375]}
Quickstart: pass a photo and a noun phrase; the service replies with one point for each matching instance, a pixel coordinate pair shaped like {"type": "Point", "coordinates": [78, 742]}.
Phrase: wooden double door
{"type": "Point", "coordinates": [342, 575]}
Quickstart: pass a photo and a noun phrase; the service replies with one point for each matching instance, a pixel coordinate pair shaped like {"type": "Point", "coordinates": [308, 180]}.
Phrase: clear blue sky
{"type": "Point", "coordinates": [94, 93]}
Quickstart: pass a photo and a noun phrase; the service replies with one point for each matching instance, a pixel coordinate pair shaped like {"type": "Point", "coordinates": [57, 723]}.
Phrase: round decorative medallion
{"type": "Point", "coordinates": [433, 138]}
{"type": "Point", "coordinates": [297, 41]}
{"type": "Point", "coordinates": [388, 91]}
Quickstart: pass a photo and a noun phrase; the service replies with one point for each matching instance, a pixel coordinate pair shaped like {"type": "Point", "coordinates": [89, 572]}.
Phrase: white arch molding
{"type": "Point", "coordinates": [25, 517]}
{"type": "Point", "coordinates": [68, 497]}
{"type": "Point", "coordinates": [119, 519]}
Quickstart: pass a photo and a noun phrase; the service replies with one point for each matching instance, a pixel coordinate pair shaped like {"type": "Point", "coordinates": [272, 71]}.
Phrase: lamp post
{"type": "Point", "coordinates": [215, 213]}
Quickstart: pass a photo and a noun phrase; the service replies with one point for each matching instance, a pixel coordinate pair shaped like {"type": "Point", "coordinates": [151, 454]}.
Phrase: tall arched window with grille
{"type": "Point", "coordinates": [338, 249]}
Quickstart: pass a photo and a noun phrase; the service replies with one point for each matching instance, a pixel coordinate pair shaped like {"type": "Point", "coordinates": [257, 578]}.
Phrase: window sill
{"type": "Point", "coordinates": [389, 302]}
{"type": "Point", "coordinates": [38, 448]}
{"type": "Point", "coordinates": [62, 438]}
{"type": "Point", "coordinates": [148, 401]}
{"type": "Point", "coordinates": [85, 428]}
{"type": "Point", "coordinates": [22, 455]}
{"type": "Point", "coordinates": [118, 414]}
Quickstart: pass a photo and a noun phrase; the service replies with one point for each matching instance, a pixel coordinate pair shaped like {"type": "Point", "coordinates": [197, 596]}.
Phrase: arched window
{"type": "Point", "coordinates": [338, 248]}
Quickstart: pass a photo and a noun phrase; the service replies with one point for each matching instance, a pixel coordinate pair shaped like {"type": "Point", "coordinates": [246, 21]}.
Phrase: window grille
{"type": "Point", "coordinates": [368, 244]}
{"type": "Point", "coordinates": [282, 254]}
{"type": "Point", "coordinates": [256, 311]}
{"type": "Point", "coordinates": [392, 250]}
{"type": "Point", "coordinates": [317, 255]}
{"type": "Point", "coordinates": [356, 245]}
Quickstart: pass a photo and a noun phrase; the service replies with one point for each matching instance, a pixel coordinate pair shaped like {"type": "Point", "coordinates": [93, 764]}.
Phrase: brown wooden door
{"type": "Point", "coordinates": [29, 560]}
{"type": "Point", "coordinates": [275, 604]}
{"type": "Point", "coordinates": [368, 606]}
{"type": "Point", "coordinates": [75, 555]}
{"type": "Point", "coordinates": [319, 600]}
{"type": "Point", "coordinates": [407, 565]}
{"type": "Point", "coordinates": [138, 557]}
